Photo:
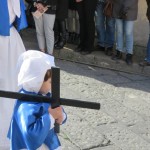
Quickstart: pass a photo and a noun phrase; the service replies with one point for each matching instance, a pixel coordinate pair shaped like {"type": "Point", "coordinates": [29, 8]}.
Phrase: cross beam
{"type": "Point", "coordinates": [55, 100]}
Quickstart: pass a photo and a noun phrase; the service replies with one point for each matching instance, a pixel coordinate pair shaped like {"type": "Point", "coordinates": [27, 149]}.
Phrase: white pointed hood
{"type": "Point", "coordinates": [32, 67]}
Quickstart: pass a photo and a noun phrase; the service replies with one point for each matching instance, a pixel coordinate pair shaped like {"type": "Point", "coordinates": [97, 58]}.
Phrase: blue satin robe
{"type": "Point", "coordinates": [30, 126]}
{"type": "Point", "coordinates": [4, 18]}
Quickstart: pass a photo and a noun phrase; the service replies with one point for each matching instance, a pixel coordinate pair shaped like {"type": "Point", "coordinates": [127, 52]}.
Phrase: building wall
{"type": "Point", "coordinates": [141, 30]}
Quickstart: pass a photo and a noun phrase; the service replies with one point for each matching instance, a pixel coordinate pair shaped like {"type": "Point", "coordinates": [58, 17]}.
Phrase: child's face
{"type": "Point", "coordinates": [46, 87]}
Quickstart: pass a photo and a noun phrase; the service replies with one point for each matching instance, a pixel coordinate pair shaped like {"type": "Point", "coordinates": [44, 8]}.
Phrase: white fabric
{"type": "Point", "coordinates": [16, 7]}
{"type": "Point", "coordinates": [12, 14]}
{"type": "Point", "coordinates": [32, 67]}
{"type": "Point", "coordinates": [10, 49]}
{"type": "Point", "coordinates": [52, 121]}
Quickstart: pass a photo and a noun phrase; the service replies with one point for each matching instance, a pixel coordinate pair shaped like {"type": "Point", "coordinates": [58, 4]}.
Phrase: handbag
{"type": "Point", "coordinates": [108, 9]}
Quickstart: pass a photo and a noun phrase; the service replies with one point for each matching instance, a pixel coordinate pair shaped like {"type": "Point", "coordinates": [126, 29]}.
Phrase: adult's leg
{"type": "Point", "coordinates": [89, 12]}
{"type": "Point", "coordinates": [100, 24]}
{"type": "Point", "coordinates": [119, 39]}
{"type": "Point", "coordinates": [63, 34]}
{"type": "Point", "coordinates": [119, 35]}
{"type": "Point", "coordinates": [128, 31]}
{"type": "Point", "coordinates": [40, 32]}
{"type": "Point", "coordinates": [80, 9]}
{"type": "Point", "coordinates": [49, 20]}
{"type": "Point", "coordinates": [110, 32]}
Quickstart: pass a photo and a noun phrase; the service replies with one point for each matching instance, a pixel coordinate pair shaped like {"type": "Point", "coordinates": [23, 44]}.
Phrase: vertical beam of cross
{"type": "Point", "coordinates": [56, 92]}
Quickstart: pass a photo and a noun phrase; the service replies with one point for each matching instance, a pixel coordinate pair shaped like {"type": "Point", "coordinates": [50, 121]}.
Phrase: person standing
{"type": "Point", "coordinates": [11, 47]}
{"type": "Point", "coordinates": [86, 10]}
{"type": "Point", "coordinates": [45, 23]}
{"type": "Point", "coordinates": [60, 24]}
{"type": "Point", "coordinates": [125, 13]}
{"type": "Point", "coordinates": [147, 59]}
{"type": "Point", "coordinates": [105, 27]}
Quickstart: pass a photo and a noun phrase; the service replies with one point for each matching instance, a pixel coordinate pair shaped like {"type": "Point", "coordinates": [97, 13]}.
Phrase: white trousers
{"type": "Point", "coordinates": [45, 33]}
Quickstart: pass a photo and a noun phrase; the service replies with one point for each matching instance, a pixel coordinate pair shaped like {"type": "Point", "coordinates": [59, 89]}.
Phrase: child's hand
{"type": "Point", "coordinates": [57, 114]}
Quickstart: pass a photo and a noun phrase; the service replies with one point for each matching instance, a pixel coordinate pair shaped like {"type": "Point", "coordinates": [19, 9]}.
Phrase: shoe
{"type": "Point", "coordinates": [60, 44]}
{"type": "Point", "coordinates": [144, 63]}
{"type": "Point", "coordinates": [86, 52]}
{"type": "Point", "coordinates": [78, 48]}
{"type": "Point", "coordinates": [129, 59]}
{"type": "Point", "coordinates": [117, 56]}
{"type": "Point", "coordinates": [100, 48]}
{"type": "Point", "coordinates": [109, 51]}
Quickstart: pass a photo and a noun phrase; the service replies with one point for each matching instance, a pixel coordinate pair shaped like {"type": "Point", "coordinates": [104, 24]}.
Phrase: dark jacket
{"type": "Point", "coordinates": [125, 9]}
{"type": "Point", "coordinates": [62, 9]}
{"type": "Point", "coordinates": [148, 9]}
{"type": "Point", "coordinates": [51, 3]}
{"type": "Point", "coordinates": [72, 5]}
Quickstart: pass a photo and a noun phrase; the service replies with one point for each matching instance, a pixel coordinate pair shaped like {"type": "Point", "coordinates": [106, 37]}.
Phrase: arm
{"type": "Point", "coordinates": [34, 120]}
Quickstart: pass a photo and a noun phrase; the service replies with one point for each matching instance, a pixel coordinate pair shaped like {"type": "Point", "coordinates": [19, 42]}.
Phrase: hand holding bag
{"type": "Point", "coordinates": [108, 10]}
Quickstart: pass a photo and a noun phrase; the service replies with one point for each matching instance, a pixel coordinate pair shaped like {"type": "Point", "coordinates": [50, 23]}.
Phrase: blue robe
{"type": "Point", "coordinates": [30, 126]}
{"type": "Point", "coordinates": [4, 19]}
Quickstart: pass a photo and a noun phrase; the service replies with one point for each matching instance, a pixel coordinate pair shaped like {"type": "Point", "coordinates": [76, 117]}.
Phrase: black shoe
{"type": "Point", "coordinates": [86, 52]}
{"type": "Point", "coordinates": [78, 48]}
{"type": "Point", "coordinates": [109, 51]}
{"type": "Point", "coordinates": [129, 59]}
{"type": "Point", "coordinates": [100, 48]}
{"type": "Point", "coordinates": [60, 44]}
{"type": "Point", "coordinates": [117, 56]}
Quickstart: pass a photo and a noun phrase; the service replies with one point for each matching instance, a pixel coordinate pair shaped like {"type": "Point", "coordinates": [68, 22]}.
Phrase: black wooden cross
{"type": "Point", "coordinates": [55, 100]}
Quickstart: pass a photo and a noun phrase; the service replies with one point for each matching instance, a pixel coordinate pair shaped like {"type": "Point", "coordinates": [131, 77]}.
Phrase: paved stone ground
{"type": "Point", "coordinates": [123, 121]}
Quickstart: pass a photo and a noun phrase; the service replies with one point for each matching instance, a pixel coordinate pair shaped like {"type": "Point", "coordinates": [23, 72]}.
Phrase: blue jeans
{"type": "Point", "coordinates": [105, 27]}
{"type": "Point", "coordinates": [148, 48]}
{"type": "Point", "coordinates": [124, 36]}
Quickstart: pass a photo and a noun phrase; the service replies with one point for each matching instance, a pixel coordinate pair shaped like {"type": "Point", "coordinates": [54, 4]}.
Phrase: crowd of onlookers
{"type": "Point", "coordinates": [75, 21]}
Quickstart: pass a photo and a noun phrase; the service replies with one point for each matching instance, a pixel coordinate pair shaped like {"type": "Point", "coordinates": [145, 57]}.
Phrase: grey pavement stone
{"type": "Point", "coordinates": [67, 143]}
{"type": "Point", "coordinates": [111, 147]}
{"type": "Point", "coordinates": [126, 139]}
{"type": "Point", "coordinates": [124, 106]}
{"type": "Point", "coordinates": [82, 134]}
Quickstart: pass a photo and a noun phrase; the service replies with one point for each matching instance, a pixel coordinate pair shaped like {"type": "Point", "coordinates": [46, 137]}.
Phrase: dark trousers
{"type": "Point", "coordinates": [86, 11]}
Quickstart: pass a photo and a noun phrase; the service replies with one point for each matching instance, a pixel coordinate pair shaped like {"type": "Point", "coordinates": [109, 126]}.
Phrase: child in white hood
{"type": "Point", "coordinates": [32, 124]}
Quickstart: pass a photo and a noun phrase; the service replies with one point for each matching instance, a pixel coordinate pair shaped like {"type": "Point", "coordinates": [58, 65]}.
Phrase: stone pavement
{"type": "Point", "coordinates": [97, 58]}
{"type": "Point", "coordinates": [124, 118]}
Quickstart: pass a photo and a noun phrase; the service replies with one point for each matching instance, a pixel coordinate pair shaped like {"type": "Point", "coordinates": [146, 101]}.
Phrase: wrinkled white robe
{"type": "Point", "coordinates": [10, 49]}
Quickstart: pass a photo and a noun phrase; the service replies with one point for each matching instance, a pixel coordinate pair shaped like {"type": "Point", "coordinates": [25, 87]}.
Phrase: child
{"type": "Point", "coordinates": [32, 124]}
